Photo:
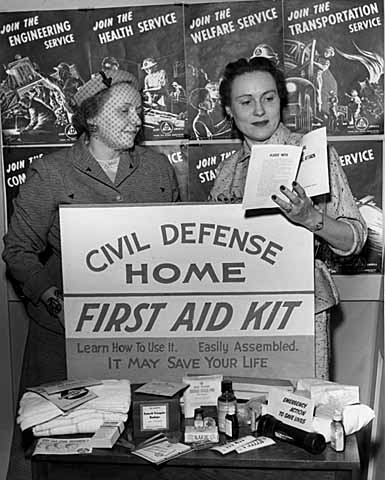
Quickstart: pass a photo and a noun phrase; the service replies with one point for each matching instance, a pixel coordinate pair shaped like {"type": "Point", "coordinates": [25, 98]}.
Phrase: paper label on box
{"type": "Point", "coordinates": [209, 434]}
{"type": "Point", "coordinates": [291, 408]}
{"type": "Point", "coordinates": [154, 417]}
{"type": "Point", "coordinates": [203, 390]}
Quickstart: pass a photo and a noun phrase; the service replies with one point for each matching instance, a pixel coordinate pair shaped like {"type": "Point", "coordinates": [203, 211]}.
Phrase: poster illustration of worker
{"type": "Point", "coordinates": [16, 164]}
{"type": "Point", "coordinates": [216, 34]}
{"type": "Point", "coordinates": [363, 165]}
{"type": "Point", "coordinates": [148, 42]}
{"type": "Point", "coordinates": [203, 161]}
{"type": "Point", "coordinates": [43, 62]}
{"type": "Point", "coordinates": [334, 65]}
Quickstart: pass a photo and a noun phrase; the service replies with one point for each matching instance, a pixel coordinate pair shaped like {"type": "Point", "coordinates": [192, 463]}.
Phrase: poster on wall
{"type": "Point", "coordinates": [16, 164]}
{"type": "Point", "coordinates": [334, 65]}
{"type": "Point", "coordinates": [363, 165]}
{"type": "Point", "coordinates": [216, 34]}
{"type": "Point", "coordinates": [148, 41]}
{"type": "Point", "coordinates": [196, 290]}
{"type": "Point", "coordinates": [177, 154]}
{"type": "Point", "coordinates": [203, 161]}
{"type": "Point", "coordinates": [44, 60]}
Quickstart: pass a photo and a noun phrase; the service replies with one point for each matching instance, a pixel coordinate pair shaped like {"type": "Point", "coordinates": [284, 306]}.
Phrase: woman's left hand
{"type": "Point", "coordinates": [298, 207]}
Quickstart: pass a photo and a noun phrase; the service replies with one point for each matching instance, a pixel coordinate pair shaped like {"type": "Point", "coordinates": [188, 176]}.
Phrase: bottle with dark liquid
{"type": "Point", "coordinates": [227, 403]}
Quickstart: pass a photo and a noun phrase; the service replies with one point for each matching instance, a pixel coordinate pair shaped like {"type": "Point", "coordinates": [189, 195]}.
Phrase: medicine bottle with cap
{"type": "Point", "coordinates": [337, 441]}
{"type": "Point", "coordinates": [227, 403]}
{"type": "Point", "coordinates": [198, 418]}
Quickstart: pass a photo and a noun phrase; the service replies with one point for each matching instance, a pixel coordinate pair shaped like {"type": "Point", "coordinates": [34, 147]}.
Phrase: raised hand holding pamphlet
{"type": "Point", "coordinates": [271, 166]}
{"type": "Point", "coordinates": [313, 173]}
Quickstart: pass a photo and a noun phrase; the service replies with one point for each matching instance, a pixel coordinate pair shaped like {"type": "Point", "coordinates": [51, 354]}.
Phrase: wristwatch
{"type": "Point", "coordinates": [54, 303]}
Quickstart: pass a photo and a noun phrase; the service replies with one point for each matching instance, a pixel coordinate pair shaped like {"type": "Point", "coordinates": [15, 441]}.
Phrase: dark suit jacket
{"type": "Point", "coordinates": [73, 176]}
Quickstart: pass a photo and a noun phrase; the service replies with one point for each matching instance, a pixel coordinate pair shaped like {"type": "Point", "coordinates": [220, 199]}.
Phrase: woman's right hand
{"type": "Point", "coordinates": [53, 301]}
{"type": "Point", "coordinates": [299, 208]}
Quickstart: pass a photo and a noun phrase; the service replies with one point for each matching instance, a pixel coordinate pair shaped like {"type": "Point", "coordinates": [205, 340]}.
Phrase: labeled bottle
{"type": "Point", "coordinates": [227, 403]}
{"type": "Point", "coordinates": [232, 425]}
{"type": "Point", "coordinates": [269, 426]}
{"type": "Point", "coordinates": [198, 418]}
{"type": "Point", "coordinates": [337, 430]}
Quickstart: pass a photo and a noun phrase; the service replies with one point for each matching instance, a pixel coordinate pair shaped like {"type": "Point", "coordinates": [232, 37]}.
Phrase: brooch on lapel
{"type": "Point", "coordinates": [106, 80]}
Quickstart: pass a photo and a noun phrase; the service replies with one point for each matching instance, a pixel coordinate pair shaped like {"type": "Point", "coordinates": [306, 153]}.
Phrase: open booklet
{"type": "Point", "coordinates": [162, 451]}
{"type": "Point", "coordinates": [273, 165]}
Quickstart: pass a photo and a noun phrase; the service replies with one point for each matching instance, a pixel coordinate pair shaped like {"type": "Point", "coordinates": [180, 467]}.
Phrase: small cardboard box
{"type": "Point", "coordinates": [107, 435]}
{"type": "Point", "coordinates": [153, 414]}
{"type": "Point", "coordinates": [206, 434]}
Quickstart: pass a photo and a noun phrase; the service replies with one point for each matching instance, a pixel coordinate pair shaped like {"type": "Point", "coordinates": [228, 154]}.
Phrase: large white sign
{"type": "Point", "coordinates": [158, 291]}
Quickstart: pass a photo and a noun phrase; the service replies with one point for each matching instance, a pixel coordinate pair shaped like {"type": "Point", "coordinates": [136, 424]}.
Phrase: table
{"type": "Point", "coordinates": [281, 461]}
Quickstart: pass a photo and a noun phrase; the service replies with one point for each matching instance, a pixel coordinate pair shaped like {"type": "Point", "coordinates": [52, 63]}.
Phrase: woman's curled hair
{"type": "Point", "coordinates": [254, 64]}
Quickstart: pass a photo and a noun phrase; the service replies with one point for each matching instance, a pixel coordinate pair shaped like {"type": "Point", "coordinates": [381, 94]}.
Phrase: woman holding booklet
{"type": "Point", "coordinates": [253, 94]}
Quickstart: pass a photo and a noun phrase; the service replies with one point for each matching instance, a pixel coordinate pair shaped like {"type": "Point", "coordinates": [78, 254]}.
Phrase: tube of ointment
{"type": "Point", "coordinates": [231, 446]}
{"type": "Point", "coordinates": [259, 442]}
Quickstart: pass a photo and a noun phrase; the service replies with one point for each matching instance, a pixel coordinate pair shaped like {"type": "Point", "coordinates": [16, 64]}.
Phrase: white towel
{"type": "Point", "coordinates": [355, 417]}
{"type": "Point", "coordinates": [82, 424]}
{"type": "Point", "coordinates": [113, 396]}
{"type": "Point", "coordinates": [34, 409]}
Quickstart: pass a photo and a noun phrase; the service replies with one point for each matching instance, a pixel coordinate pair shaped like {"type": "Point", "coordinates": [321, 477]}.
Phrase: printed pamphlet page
{"type": "Point", "coordinates": [270, 167]}
{"type": "Point", "coordinates": [62, 446]}
{"type": "Point", "coordinates": [67, 399]}
{"type": "Point", "coordinates": [313, 172]}
{"type": "Point", "coordinates": [69, 384]}
{"type": "Point", "coordinates": [161, 452]}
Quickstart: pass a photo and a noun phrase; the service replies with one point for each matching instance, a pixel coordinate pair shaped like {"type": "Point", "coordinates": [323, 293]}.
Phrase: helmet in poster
{"type": "Point", "coordinates": [264, 50]}
{"type": "Point", "coordinates": [110, 63]}
{"type": "Point", "coordinates": [148, 63]}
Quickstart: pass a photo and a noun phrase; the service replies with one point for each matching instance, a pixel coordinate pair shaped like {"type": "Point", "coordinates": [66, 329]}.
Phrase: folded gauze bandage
{"type": "Point", "coordinates": [323, 391]}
